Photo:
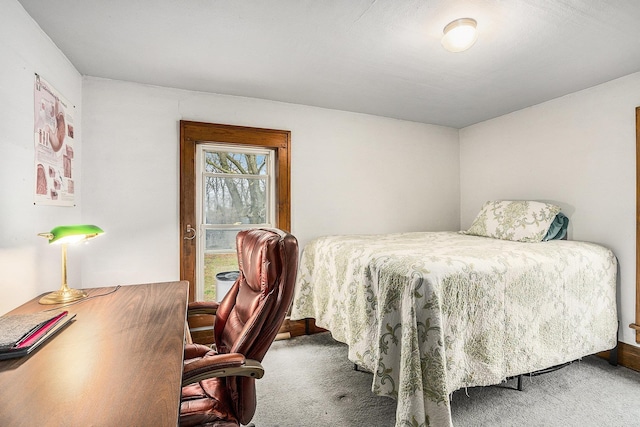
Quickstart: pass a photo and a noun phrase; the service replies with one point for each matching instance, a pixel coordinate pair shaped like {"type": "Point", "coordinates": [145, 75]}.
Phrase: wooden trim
{"type": "Point", "coordinates": [628, 356]}
{"type": "Point", "coordinates": [194, 133]}
{"type": "Point", "coordinates": [201, 328]}
{"type": "Point", "coordinates": [187, 209]}
{"type": "Point", "coordinates": [637, 223]}
{"type": "Point", "coordinates": [301, 327]}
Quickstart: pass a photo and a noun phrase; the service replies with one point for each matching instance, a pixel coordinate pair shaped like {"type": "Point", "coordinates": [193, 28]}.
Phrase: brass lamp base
{"type": "Point", "coordinates": [63, 296]}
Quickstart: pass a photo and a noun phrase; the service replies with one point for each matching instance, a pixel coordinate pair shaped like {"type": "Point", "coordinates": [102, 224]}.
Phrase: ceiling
{"type": "Point", "coordinates": [380, 57]}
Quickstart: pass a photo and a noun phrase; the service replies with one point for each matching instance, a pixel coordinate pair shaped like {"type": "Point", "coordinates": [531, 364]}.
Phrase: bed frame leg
{"type": "Point", "coordinates": [520, 382]}
{"type": "Point", "coordinates": [613, 356]}
{"type": "Point", "coordinates": [613, 353]}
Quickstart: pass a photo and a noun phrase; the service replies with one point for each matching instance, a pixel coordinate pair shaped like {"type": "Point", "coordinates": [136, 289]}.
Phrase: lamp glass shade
{"type": "Point", "coordinates": [460, 35]}
{"type": "Point", "coordinates": [72, 233]}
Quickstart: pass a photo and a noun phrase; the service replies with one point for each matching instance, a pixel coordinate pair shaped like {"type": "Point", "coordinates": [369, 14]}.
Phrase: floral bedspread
{"type": "Point", "coordinates": [430, 313]}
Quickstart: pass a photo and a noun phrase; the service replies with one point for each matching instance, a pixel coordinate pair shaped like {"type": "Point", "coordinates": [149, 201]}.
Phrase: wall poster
{"type": "Point", "coordinates": [54, 159]}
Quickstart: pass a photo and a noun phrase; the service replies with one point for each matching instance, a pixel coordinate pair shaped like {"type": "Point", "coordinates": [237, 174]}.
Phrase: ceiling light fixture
{"type": "Point", "coordinates": [460, 35]}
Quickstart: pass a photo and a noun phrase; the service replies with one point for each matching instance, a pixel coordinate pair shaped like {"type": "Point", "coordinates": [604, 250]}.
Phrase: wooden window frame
{"type": "Point", "coordinates": [194, 133]}
{"type": "Point", "coordinates": [636, 325]}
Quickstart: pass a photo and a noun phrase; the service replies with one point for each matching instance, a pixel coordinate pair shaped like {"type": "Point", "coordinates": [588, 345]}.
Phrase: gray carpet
{"type": "Point", "coordinates": [309, 382]}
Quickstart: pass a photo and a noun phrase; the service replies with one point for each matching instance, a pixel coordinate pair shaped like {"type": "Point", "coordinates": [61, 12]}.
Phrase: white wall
{"type": "Point", "coordinates": [351, 173]}
{"type": "Point", "coordinates": [28, 265]}
{"type": "Point", "coordinates": [578, 152]}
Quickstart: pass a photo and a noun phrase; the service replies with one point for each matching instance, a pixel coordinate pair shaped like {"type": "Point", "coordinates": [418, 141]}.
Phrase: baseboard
{"type": "Point", "coordinates": [300, 327]}
{"type": "Point", "coordinates": [628, 356]}
{"type": "Point", "coordinates": [202, 330]}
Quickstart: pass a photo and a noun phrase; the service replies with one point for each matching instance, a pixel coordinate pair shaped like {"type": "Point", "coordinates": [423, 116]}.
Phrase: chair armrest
{"type": "Point", "coordinates": [202, 307]}
{"type": "Point", "coordinates": [221, 365]}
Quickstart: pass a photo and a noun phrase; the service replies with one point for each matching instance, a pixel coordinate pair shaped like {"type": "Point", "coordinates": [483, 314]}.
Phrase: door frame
{"type": "Point", "coordinates": [194, 133]}
{"type": "Point", "coordinates": [636, 325]}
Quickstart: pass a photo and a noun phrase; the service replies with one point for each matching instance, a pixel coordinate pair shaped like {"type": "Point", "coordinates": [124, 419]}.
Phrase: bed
{"type": "Point", "coordinates": [429, 313]}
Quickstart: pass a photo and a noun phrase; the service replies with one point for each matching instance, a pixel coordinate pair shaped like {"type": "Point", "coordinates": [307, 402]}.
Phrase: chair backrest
{"type": "Point", "coordinates": [250, 315]}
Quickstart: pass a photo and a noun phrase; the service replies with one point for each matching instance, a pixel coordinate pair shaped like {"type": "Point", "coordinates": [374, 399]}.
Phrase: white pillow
{"type": "Point", "coordinates": [520, 221]}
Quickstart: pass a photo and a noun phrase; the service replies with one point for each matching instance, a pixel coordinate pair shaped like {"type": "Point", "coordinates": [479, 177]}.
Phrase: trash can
{"type": "Point", "coordinates": [224, 281]}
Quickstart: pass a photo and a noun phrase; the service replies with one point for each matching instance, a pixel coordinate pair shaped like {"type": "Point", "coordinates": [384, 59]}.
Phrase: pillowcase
{"type": "Point", "coordinates": [519, 221]}
{"type": "Point", "coordinates": [558, 228]}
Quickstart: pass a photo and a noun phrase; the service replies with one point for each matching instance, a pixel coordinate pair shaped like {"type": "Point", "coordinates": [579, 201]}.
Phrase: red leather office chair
{"type": "Point", "coordinates": [219, 385]}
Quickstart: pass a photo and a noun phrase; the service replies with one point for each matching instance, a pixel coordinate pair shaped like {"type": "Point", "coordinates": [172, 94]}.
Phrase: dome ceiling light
{"type": "Point", "coordinates": [460, 35]}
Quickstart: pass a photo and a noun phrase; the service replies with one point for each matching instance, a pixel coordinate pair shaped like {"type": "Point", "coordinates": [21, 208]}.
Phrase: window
{"type": "Point", "coordinates": [235, 190]}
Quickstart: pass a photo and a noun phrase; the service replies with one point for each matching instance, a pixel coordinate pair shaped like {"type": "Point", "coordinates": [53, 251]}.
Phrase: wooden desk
{"type": "Point", "coordinates": [119, 363]}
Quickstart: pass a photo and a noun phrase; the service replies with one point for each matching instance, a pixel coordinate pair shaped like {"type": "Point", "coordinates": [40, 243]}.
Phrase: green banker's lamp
{"type": "Point", "coordinates": [63, 235]}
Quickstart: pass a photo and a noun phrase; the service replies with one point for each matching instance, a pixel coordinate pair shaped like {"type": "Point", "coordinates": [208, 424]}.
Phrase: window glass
{"type": "Point", "coordinates": [221, 240]}
{"type": "Point", "coordinates": [235, 163]}
{"type": "Point", "coordinates": [235, 200]}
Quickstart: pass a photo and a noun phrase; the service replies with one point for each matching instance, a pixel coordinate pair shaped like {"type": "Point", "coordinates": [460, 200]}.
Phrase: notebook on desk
{"type": "Point", "coordinates": [20, 334]}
